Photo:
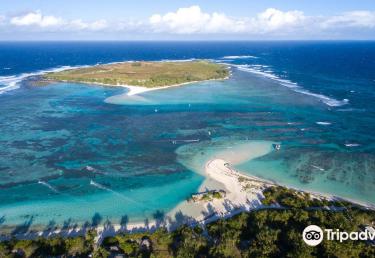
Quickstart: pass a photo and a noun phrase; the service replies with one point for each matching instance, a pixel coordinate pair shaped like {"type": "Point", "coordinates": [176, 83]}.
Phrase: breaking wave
{"type": "Point", "coordinates": [8, 83]}
{"type": "Point", "coordinates": [256, 69]}
{"type": "Point", "coordinates": [239, 57]}
{"type": "Point", "coordinates": [11, 82]}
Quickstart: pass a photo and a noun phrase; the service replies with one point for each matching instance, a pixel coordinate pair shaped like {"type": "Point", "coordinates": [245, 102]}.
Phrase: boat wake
{"type": "Point", "coordinates": [257, 69]}
{"type": "Point", "coordinates": [102, 187]}
{"type": "Point", "coordinates": [352, 144]}
{"type": "Point", "coordinates": [317, 167]}
{"type": "Point", "coordinates": [48, 186]}
{"type": "Point", "coordinates": [323, 123]}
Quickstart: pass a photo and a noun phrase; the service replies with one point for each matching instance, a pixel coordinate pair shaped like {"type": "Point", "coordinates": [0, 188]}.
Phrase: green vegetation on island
{"type": "Point", "coordinates": [297, 199]}
{"type": "Point", "coordinates": [207, 196]}
{"type": "Point", "coordinates": [81, 246]}
{"type": "Point", "coordinates": [274, 232]}
{"type": "Point", "coordinates": [146, 74]}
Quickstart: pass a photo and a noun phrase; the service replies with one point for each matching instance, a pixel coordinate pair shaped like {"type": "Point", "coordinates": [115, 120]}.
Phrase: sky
{"type": "Point", "coordinates": [187, 20]}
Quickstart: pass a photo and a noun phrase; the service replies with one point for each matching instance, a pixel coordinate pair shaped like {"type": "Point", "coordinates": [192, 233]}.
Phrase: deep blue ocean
{"type": "Point", "coordinates": [70, 151]}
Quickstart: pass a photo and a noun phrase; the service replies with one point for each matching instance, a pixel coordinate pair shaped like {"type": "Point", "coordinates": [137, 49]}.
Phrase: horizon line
{"type": "Point", "coordinates": [186, 40]}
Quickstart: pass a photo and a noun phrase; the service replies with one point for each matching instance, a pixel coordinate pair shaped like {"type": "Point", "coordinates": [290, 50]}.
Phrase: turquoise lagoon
{"type": "Point", "coordinates": [74, 154]}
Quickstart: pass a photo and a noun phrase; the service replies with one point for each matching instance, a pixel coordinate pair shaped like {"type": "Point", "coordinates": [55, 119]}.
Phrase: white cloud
{"type": "Point", "coordinates": [37, 19]}
{"type": "Point", "coordinates": [192, 20]}
{"type": "Point", "coordinates": [81, 25]}
{"type": "Point", "coordinates": [365, 19]}
{"type": "Point", "coordinates": [98, 25]}
{"type": "Point", "coordinates": [131, 26]}
{"type": "Point", "coordinates": [221, 23]}
{"type": "Point", "coordinates": [271, 23]}
{"type": "Point", "coordinates": [273, 19]}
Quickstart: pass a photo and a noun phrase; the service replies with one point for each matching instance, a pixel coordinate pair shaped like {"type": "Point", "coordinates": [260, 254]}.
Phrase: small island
{"type": "Point", "coordinates": [144, 74]}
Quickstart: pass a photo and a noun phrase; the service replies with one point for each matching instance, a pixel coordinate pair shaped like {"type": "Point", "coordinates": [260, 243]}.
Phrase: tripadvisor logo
{"type": "Point", "coordinates": [313, 235]}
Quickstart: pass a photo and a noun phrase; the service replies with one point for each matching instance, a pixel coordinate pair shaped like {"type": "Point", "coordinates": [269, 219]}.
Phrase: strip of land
{"type": "Point", "coordinates": [142, 76]}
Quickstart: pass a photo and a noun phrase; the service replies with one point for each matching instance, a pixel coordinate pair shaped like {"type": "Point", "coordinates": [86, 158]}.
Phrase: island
{"type": "Point", "coordinates": [150, 75]}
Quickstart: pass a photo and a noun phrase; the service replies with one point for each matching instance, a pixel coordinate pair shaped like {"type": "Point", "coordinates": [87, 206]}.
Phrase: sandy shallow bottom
{"type": "Point", "coordinates": [197, 212]}
{"type": "Point", "coordinates": [218, 169]}
{"type": "Point", "coordinates": [233, 153]}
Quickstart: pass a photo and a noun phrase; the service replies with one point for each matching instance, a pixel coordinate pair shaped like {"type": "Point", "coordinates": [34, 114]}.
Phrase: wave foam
{"type": "Point", "coordinates": [239, 57]}
{"type": "Point", "coordinates": [256, 69]}
{"type": "Point", "coordinates": [8, 83]}
{"type": "Point", "coordinates": [176, 60]}
{"type": "Point", "coordinates": [323, 123]}
{"type": "Point", "coordinates": [11, 82]}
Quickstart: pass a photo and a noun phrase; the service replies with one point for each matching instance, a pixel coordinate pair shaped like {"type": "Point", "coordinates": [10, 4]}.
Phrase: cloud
{"type": "Point", "coordinates": [364, 19]}
{"type": "Point", "coordinates": [98, 25]}
{"type": "Point", "coordinates": [274, 19]}
{"type": "Point", "coordinates": [93, 26]}
{"type": "Point", "coordinates": [192, 20]}
{"type": "Point", "coordinates": [271, 23]}
{"type": "Point", "coordinates": [131, 26]}
{"type": "Point", "coordinates": [36, 18]}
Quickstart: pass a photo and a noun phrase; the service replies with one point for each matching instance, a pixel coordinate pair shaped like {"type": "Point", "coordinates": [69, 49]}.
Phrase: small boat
{"type": "Point", "coordinates": [276, 146]}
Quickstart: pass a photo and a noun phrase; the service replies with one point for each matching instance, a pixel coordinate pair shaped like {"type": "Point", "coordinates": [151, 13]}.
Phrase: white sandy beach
{"type": "Point", "coordinates": [243, 193]}
{"type": "Point", "coordinates": [219, 176]}
{"type": "Point", "coordinates": [135, 92]}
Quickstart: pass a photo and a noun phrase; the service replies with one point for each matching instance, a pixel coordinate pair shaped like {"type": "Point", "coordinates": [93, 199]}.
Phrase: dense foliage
{"type": "Point", "coordinates": [290, 198]}
{"type": "Point", "coordinates": [43, 247]}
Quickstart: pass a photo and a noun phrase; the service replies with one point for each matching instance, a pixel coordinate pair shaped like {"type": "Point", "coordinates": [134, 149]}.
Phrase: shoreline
{"type": "Point", "coordinates": [244, 193]}
{"type": "Point", "coordinates": [133, 89]}
{"type": "Point", "coordinates": [189, 213]}
{"type": "Point", "coordinates": [136, 89]}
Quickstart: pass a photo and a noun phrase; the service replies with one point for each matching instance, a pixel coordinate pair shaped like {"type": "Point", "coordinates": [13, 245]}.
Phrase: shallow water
{"type": "Point", "coordinates": [73, 153]}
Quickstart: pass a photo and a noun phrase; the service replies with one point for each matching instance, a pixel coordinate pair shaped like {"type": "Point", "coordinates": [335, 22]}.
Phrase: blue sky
{"type": "Point", "coordinates": [208, 19]}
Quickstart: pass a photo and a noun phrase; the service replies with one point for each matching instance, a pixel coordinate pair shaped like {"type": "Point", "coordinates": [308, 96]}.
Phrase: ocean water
{"type": "Point", "coordinates": [73, 154]}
